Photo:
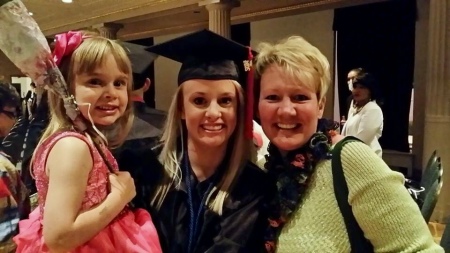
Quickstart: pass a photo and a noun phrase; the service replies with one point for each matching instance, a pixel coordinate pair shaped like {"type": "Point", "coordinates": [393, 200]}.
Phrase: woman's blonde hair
{"type": "Point", "coordinates": [170, 157]}
{"type": "Point", "coordinates": [303, 63]}
{"type": "Point", "coordinates": [89, 55]}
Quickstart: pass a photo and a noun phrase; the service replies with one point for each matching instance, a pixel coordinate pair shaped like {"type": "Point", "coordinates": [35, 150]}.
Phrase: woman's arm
{"type": "Point", "coordinates": [371, 122]}
{"type": "Point", "coordinates": [383, 208]}
{"type": "Point", "coordinates": [65, 227]}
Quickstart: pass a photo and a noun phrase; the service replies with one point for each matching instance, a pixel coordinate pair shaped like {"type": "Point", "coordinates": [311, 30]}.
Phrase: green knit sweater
{"type": "Point", "coordinates": [381, 204]}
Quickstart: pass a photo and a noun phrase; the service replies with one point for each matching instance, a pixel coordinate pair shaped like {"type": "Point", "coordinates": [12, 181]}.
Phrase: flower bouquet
{"type": "Point", "coordinates": [24, 44]}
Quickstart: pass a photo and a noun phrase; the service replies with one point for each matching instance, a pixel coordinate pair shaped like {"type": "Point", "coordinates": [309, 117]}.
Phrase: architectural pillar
{"type": "Point", "coordinates": [437, 111]}
{"type": "Point", "coordinates": [108, 30]}
{"type": "Point", "coordinates": [220, 15]}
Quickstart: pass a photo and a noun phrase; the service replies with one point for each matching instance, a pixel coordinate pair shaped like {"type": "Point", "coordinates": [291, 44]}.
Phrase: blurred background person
{"type": "Point", "coordinates": [365, 118]}
{"type": "Point", "coordinates": [9, 108]}
{"type": "Point", "coordinates": [148, 121]}
{"type": "Point", "coordinates": [350, 76]}
{"type": "Point", "coordinates": [13, 194]}
{"type": "Point", "coordinates": [30, 101]}
{"type": "Point", "coordinates": [147, 124]}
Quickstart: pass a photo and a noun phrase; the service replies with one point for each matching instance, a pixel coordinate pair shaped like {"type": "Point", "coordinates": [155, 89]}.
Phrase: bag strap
{"type": "Point", "coordinates": [358, 242]}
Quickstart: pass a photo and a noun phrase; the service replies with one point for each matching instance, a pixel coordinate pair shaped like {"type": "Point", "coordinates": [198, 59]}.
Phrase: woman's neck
{"type": "Point", "coordinates": [361, 103]}
{"type": "Point", "coordinates": [205, 160]}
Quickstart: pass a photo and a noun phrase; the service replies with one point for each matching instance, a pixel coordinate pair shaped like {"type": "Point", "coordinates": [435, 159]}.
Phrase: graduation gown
{"type": "Point", "coordinates": [240, 228]}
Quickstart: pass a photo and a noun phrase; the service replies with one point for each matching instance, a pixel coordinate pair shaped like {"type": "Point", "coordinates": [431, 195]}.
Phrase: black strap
{"type": "Point", "coordinates": [356, 237]}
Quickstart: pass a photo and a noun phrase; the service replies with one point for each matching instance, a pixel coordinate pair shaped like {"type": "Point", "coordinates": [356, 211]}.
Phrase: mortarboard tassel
{"type": "Point", "coordinates": [248, 129]}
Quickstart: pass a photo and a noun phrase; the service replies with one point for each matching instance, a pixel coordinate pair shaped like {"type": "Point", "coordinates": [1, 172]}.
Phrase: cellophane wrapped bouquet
{"type": "Point", "coordinates": [25, 45]}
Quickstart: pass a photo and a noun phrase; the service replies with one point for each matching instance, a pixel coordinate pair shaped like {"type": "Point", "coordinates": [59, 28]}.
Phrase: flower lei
{"type": "Point", "coordinates": [292, 174]}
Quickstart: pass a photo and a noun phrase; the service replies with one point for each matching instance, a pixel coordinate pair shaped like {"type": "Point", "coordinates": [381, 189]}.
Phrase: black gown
{"type": "Point", "coordinates": [240, 228]}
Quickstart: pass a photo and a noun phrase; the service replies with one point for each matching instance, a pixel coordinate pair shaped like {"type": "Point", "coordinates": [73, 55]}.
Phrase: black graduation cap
{"type": "Point", "coordinates": [209, 56]}
{"type": "Point", "coordinates": [140, 59]}
{"type": "Point", "coordinates": [206, 55]}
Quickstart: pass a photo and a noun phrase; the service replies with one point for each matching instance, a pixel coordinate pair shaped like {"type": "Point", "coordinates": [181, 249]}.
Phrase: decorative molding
{"type": "Point", "coordinates": [112, 11]}
{"type": "Point", "coordinates": [145, 8]}
{"type": "Point", "coordinates": [108, 30]}
{"type": "Point", "coordinates": [437, 119]}
{"type": "Point", "coordinates": [233, 3]}
{"type": "Point", "coordinates": [295, 8]}
{"type": "Point", "coordinates": [243, 14]}
{"type": "Point", "coordinates": [164, 30]}
{"type": "Point", "coordinates": [220, 16]}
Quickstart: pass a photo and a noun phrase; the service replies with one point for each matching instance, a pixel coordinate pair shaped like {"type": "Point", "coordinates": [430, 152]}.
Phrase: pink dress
{"type": "Point", "coordinates": [130, 231]}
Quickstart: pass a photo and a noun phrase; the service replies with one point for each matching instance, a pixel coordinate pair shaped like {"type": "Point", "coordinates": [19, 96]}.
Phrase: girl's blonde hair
{"type": "Point", "coordinates": [175, 130]}
{"type": "Point", "coordinates": [303, 63]}
{"type": "Point", "coordinates": [89, 55]}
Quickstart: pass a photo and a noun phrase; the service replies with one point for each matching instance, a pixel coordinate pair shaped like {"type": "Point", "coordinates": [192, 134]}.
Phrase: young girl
{"type": "Point", "coordinates": [82, 195]}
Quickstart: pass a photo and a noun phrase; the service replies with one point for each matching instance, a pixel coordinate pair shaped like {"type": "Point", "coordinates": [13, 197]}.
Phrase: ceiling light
{"type": "Point", "coordinates": [66, 1]}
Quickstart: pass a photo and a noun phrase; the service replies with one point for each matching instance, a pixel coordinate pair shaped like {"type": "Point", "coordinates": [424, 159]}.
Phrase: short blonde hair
{"type": "Point", "coordinates": [301, 62]}
{"type": "Point", "coordinates": [175, 129]}
{"type": "Point", "coordinates": [90, 54]}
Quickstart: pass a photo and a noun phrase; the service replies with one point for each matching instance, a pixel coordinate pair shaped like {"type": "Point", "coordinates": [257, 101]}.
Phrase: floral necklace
{"type": "Point", "coordinates": [292, 174]}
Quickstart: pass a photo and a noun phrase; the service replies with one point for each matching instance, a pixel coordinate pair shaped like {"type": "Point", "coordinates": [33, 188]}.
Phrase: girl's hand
{"type": "Point", "coordinates": [123, 184]}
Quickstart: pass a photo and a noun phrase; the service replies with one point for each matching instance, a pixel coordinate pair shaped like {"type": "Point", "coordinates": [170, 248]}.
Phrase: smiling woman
{"type": "Point", "coordinates": [209, 198]}
{"type": "Point", "coordinates": [291, 108]}
{"type": "Point", "coordinates": [365, 117]}
{"type": "Point", "coordinates": [209, 110]}
{"type": "Point", "coordinates": [305, 213]}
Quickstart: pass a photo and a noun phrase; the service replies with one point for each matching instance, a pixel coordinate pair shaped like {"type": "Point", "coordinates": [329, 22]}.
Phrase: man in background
{"type": "Point", "coordinates": [9, 108]}
{"type": "Point", "coordinates": [145, 131]}
{"type": "Point", "coordinates": [350, 76]}
{"type": "Point", "coordinates": [148, 122]}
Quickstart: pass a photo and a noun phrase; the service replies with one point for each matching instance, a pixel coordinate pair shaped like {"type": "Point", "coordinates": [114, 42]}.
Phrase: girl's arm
{"type": "Point", "coordinates": [64, 227]}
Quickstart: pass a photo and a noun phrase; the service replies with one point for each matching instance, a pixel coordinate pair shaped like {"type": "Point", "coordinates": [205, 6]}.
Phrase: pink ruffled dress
{"type": "Point", "coordinates": [130, 231]}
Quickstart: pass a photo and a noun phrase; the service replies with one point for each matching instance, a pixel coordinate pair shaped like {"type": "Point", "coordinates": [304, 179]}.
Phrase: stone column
{"type": "Point", "coordinates": [220, 15]}
{"type": "Point", "coordinates": [108, 30]}
{"type": "Point", "coordinates": [437, 111]}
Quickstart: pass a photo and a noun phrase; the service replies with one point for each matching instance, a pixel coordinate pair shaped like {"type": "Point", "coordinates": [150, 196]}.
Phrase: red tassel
{"type": "Point", "coordinates": [248, 130]}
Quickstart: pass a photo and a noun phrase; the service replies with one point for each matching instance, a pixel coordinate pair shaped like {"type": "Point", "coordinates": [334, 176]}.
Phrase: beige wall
{"type": "Point", "coordinates": [315, 27]}
{"type": "Point", "coordinates": [7, 69]}
{"type": "Point", "coordinates": [166, 75]}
